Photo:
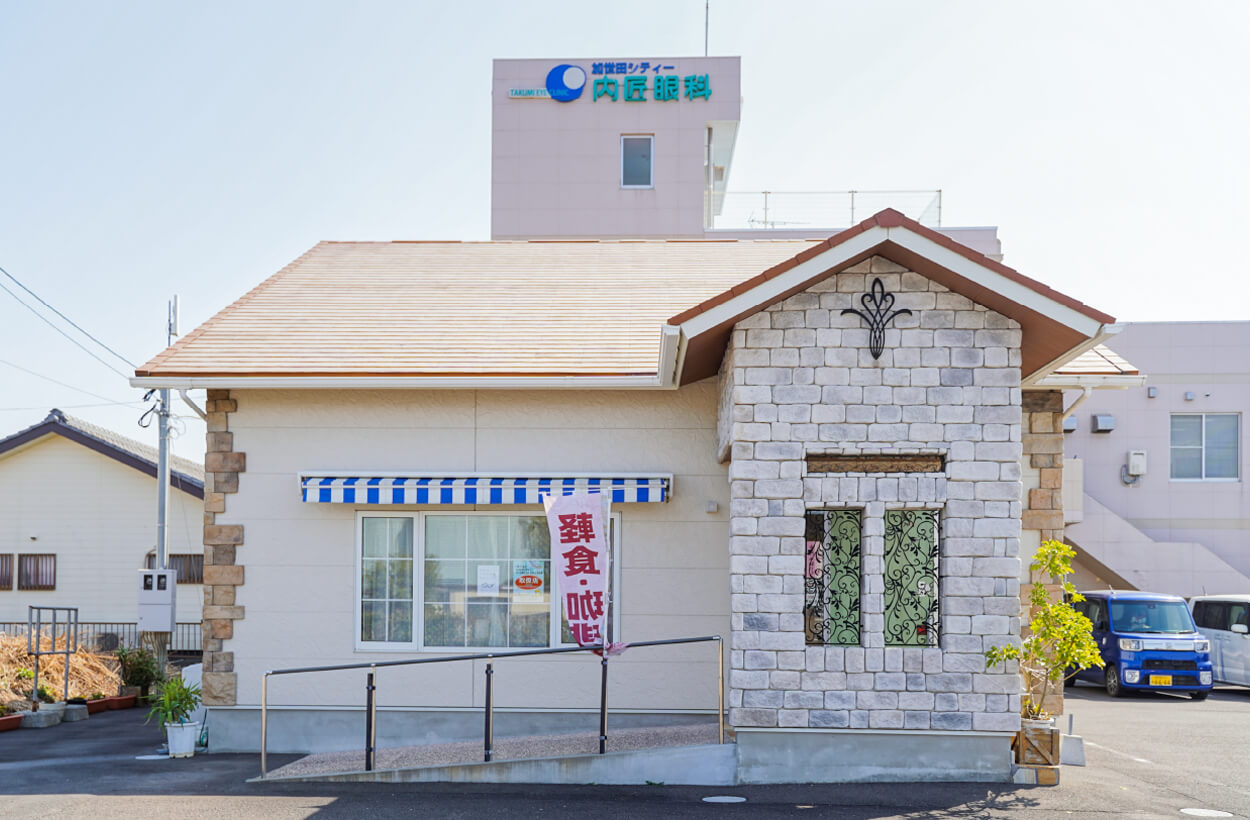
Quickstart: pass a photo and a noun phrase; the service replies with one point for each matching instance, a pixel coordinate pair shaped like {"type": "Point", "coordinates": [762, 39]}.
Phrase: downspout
{"type": "Point", "coordinates": [192, 405]}
{"type": "Point", "coordinates": [1086, 392]}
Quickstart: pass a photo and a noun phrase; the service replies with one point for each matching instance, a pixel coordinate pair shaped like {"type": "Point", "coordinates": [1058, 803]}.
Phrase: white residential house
{"type": "Point", "coordinates": [78, 520]}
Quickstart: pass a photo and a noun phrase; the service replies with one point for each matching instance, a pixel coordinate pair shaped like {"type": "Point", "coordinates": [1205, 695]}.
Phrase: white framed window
{"type": "Point", "coordinates": [1206, 446]}
{"type": "Point", "coordinates": [636, 164]}
{"type": "Point", "coordinates": [459, 581]}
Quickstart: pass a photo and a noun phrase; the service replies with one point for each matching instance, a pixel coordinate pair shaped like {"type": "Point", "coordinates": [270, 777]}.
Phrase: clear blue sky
{"type": "Point", "coordinates": [154, 148]}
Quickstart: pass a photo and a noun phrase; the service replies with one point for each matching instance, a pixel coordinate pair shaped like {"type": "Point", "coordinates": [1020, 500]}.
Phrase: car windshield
{"type": "Point", "coordinates": [1150, 616]}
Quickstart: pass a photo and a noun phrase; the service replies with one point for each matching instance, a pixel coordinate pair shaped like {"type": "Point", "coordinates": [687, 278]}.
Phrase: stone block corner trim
{"type": "Point", "coordinates": [222, 572]}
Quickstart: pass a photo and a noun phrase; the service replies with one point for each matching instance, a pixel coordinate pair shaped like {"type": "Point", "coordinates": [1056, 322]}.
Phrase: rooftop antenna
{"type": "Point", "coordinates": [707, 11]}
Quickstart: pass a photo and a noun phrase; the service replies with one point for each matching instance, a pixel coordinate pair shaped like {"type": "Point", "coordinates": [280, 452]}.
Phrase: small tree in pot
{"type": "Point", "coordinates": [1059, 642]}
{"type": "Point", "coordinates": [174, 703]}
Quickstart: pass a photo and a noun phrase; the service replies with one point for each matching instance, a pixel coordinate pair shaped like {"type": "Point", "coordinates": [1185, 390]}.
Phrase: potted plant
{"type": "Point", "coordinates": [96, 703]}
{"type": "Point", "coordinates": [9, 720]}
{"type": "Point", "coordinates": [1059, 644]}
{"type": "Point", "coordinates": [173, 704]}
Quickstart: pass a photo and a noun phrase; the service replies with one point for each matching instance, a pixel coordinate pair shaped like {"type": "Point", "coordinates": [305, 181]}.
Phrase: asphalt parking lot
{"type": "Point", "coordinates": [1149, 756]}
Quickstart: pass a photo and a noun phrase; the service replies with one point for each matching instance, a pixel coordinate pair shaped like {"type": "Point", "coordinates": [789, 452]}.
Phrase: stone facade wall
{"type": "Point", "coordinates": [1043, 512]}
{"type": "Point", "coordinates": [222, 572]}
{"type": "Point", "coordinates": [801, 380]}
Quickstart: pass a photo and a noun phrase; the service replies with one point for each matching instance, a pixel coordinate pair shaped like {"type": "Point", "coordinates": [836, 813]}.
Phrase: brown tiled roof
{"type": "Point", "coordinates": [473, 308]}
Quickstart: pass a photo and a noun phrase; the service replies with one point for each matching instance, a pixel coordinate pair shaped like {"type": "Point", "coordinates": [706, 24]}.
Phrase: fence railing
{"type": "Point", "coordinates": [488, 708]}
{"type": "Point", "coordinates": [100, 636]}
{"type": "Point", "coordinates": [797, 210]}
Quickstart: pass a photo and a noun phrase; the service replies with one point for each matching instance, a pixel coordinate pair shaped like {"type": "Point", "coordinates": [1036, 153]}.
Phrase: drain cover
{"type": "Point", "coordinates": [724, 798]}
{"type": "Point", "coordinates": [1206, 813]}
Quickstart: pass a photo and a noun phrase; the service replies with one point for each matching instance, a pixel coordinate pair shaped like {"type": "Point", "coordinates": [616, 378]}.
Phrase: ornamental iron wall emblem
{"type": "Point", "coordinates": [876, 313]}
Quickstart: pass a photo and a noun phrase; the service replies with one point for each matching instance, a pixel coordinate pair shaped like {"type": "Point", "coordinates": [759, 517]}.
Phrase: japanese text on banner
{"type": "Point", "coordinates": [579, 529]}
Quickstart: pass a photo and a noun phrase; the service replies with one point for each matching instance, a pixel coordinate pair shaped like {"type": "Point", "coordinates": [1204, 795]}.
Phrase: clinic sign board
{"type": "Point", "coordinates": [610, 81]}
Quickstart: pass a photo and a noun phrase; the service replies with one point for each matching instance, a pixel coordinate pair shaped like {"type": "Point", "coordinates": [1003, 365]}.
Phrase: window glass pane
{"type": "Point", "coordinates": [374, 537]}
{"type": "Point", "coordinates": [529, 625]}
{"type": "Point", "coordinates": [911, 588]}
{"type": "Point", "coordinates": [400, 627]}
{"type": "Point", "coordinates": [1150, 616]}
{"type": "Point", "coordinates": [372, 578]}
{"type": "Point", "coordinates": [444, 624]}
{"type": "Point", "coordinates": [445, 536]}
{"type": "Point", "coordinates": [1221, 446]}
{"type": "Point", "coordinates": [832, 578]}
{"type": "Point", "coordinates": [373, 621]}
{"type": "Point", "coordinates": [1186, 431]}
{"type": "Point", "coordinates": [636, 161]}
{"type": "Point", "coordinates": [444, 581]}
{"type": "Point", "coordinates": [400, 537]}
{"type": "Point", "coordinates": [488, 536]}
{"type": "Point", "coordinates": [1236, 615]}
{"type": "Point", "coordinates": [530, 537]}
{"type": "Point", "coordinates": [1186, 462]}
{"type": "Point", "coordinates": [488, 624]}
{"type": "Point", "coordinates": [399, 577]}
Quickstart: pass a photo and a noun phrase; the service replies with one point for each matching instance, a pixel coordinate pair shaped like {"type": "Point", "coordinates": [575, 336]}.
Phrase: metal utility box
{"type": "Point", "coordinates": [157, 599]}
{"type": "Point", "coordinates": [1136, 462]}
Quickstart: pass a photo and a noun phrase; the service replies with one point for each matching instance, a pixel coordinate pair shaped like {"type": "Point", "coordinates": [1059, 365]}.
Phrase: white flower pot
{"type": "Point", "coordinates": [182, 738]}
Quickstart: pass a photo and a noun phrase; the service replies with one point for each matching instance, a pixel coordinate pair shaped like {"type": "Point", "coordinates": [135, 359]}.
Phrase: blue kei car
{"type": "Point", "coordinates": [1148, 643]}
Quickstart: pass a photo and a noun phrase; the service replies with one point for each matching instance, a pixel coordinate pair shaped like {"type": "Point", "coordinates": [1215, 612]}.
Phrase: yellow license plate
{"type": "Point", "coordinates": [1160, 680]}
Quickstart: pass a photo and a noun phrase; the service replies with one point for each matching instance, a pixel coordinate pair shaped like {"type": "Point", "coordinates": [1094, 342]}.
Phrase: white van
{"type": "Point", "coordinates": [1225, 619]}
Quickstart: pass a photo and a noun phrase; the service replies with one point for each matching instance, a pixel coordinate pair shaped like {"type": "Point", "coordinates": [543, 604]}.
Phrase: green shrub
{"type": "Point", "coordinates": [139, 667]}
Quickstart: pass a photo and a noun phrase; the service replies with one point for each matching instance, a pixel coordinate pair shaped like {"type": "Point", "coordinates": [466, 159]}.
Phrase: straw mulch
{"type": "Point", "coordinates": [89, 674]}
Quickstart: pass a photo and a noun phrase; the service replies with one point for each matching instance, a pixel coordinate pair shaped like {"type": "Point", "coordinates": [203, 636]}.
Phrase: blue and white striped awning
{"type": "Point", "coordinates": [391, 489]}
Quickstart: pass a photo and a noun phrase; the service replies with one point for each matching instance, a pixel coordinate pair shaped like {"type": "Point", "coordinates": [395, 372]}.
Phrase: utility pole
{"type": "Point", "coordinates": [159, 641]}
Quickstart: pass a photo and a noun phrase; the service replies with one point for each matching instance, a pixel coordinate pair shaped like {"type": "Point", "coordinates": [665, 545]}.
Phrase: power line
{"type": "Point", "coordinates": [63, 384]}
{"type": "Point", "coordinates": [48, 322]}
{"type": "Point", "coordinates": [69, 406]}
{"type": "Point", "coordinates": [66, 318]}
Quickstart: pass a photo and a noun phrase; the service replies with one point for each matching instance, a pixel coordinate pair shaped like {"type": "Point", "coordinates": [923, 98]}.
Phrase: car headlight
{"type": "Point", "coordinates": [1204, 678]}
{"type": "Point", "coordinates": [1202, 646]}
{"type": "Point", "coordinates": [1130, 645]}
{"type": "Point", "coordinates": [1132, 675]}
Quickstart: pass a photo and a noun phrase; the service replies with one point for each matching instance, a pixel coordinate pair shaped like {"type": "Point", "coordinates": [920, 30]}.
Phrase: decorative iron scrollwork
{"type": "Point", "coordinates": [832, 577]}
{"type": "Point", "coordinates": [876, 313]}
{"type": "Point", "coordinates": [912, 600]}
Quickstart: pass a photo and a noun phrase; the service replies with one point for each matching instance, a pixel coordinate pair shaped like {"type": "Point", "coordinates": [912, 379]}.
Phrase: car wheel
{"type": "Point", "coordinates": [1114, 689]}
{"type": "Point", "coordinates": [1199, 695]}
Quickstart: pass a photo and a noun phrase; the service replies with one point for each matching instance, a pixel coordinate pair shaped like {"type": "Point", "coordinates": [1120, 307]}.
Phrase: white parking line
{"type": "Point", "coordinates": [1089, 742]}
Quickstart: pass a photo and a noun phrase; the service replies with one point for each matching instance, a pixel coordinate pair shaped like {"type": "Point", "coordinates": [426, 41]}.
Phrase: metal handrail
{"type": "Point", "coordinates": [488, 707]}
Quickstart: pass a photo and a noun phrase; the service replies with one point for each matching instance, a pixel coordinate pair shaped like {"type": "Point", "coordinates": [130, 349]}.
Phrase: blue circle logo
{"type": "Point", "coordinates": [565, 82]}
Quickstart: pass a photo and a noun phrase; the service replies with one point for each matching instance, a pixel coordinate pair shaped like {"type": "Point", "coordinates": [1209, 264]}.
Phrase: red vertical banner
{"type": "Point", "coordinates": [579, 550]}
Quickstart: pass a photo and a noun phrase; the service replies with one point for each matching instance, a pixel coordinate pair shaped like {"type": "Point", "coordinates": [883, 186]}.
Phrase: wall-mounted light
{"type": "Point", "coordinates": [1152, 392]}
{"type": "Point", "coordinates": [1190, 395]}
{"type": "Point", "coordinates": [1102, 423]}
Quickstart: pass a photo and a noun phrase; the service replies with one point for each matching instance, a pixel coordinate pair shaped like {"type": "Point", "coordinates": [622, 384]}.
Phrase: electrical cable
{"type": "Point", "coordinates": [48, 322]}
{"type": "Point", "coordinates": [63, 384]}
{"type": "Point", "coordinates": [66, 318]}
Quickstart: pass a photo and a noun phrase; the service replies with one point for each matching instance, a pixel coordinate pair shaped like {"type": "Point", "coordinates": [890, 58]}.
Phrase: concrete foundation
{"type": "Point", "coordinates": [866, 756]}
{"type": "Point", "coordinates": [683, 766]}
{"type": "Point", "coordinates": [41, 719]}
{"type": "Point", "coordinates": [312, 731]}
{"type": "Point", "coordinates": [73, 712]}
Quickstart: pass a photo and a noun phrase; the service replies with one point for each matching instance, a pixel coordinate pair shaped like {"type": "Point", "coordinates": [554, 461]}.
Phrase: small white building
{"type": "Point", "coordinates": [78, 520]}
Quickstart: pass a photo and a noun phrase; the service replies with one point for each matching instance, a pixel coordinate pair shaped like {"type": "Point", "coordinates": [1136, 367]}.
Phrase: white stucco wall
{"type": "Point", "coordinates": [299, 559]}
{"type": "Point", "coordinates": [99, 517]}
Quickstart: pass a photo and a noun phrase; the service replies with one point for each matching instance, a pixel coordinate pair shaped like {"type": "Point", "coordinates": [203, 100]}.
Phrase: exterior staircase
{"type": "Point", "coordinates": [1124, 553]}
